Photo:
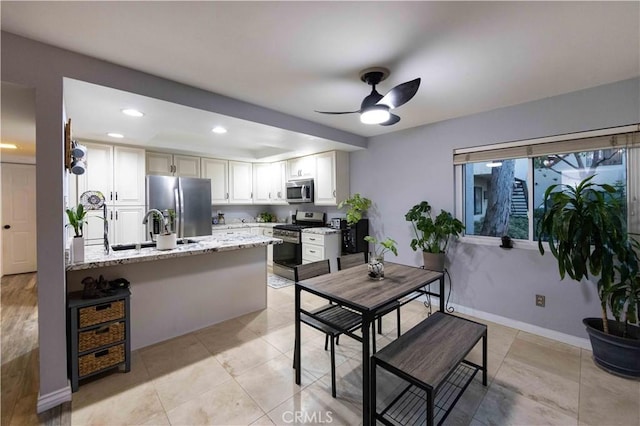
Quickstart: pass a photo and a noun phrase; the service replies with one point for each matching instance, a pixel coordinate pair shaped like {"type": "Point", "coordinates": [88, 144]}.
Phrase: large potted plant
{"type": "Point", "coordinates": [432, 235]}
{"type": "Point", "coordinates": [77, 217]}
{"type": "Point", "coordinates": [585, 228]}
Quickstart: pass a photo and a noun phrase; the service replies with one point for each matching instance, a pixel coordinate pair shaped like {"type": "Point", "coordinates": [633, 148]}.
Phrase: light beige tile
{"type": "Point", "coordinates": [348, 381]}
{"type": "Point", "coordinates": [261, 322]}
{"type": "Point", "coordinates": [499, 337]}
{"type": "Point", "coordinates": [471, 398]}
{"type": "Point", "coordinates": [171, 355]}
{"type": "Point", "coordinates": [541, 353]}
{"type": "Point", "coordinates": [159, 419]}
{"type": "Point", "coordinates": [226, 404]}
{"type": "Point", "coordinates": [272, 383]}
{"type": "Point", "coordinates": [315, 360]}
{"type": "Point", "coordinates": [314, 405]}
{"type": "Point", "coordinates": [225, 336]}
{"type": "Point", "coordinates": [190, 381]}
{"type": "Point", "coordinates": [501, 406]}
{"type": "Point", "coordinates": [457, 418]}
{"type": "Point", "coordinates": [606, 398]}
{"type": "Point", "coordinates": [246, 356]}
{"type": "Point", "coordinates": [263, 421]}
{"type": "Point", "coordinates": [284, 338]}
{"type": "Point", "coordinates": [539, 385]}
{"type": "Point", "coordinates": [131, 406]}
{"type": "Point", "coordinates": [494, 361]}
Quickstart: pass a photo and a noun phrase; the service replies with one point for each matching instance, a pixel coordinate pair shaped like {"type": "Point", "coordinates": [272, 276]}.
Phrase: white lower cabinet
{"type": "Point", "coordinates": [317, 247]}
{"type": "Point", "coordinates": [268, 232]}
{"type": "Point", "coordinates": [124, 226]}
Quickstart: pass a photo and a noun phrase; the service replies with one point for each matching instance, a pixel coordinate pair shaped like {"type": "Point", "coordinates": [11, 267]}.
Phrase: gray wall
{"type": "Point", "coordinates": [401, 169]}
{"type": "Point", "coordinates": [42, 67]}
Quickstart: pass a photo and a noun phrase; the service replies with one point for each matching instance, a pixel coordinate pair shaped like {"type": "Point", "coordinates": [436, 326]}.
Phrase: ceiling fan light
{"type": "Point", "coordinates": [375, 114]}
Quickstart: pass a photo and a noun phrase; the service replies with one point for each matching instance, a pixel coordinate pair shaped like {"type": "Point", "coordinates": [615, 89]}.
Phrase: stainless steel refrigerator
{"type": "Point", "coordinates": [189, 198]}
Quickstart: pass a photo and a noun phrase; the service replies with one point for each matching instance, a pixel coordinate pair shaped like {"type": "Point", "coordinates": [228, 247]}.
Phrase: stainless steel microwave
{"type": "Point", "coordinates": [300, 191]}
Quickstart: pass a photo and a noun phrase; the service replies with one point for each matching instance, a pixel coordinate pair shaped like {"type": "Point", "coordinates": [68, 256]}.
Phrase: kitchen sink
{"type": "Point", "coordinates": [147, 244]}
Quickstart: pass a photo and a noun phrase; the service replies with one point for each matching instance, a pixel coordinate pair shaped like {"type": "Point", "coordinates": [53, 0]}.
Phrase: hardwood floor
{"type": "Point", "coordinates": [20, 366]}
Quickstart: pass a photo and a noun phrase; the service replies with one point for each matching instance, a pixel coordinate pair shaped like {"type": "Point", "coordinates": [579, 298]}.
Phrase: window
{"type": "Point", "coordinates": [501, 187]}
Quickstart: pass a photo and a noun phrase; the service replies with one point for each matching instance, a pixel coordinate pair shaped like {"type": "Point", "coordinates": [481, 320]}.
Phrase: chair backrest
{"type": "Point", "coordinates": [350, 260]}
{"type": "Point", "coordinates": [310, 270]}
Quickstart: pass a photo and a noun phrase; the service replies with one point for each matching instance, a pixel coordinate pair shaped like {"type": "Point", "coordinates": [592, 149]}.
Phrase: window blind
{"type": "Point", "coordinates": [627, 137]}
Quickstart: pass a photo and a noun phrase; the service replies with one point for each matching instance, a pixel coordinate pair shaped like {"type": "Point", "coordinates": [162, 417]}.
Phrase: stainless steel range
{"type": "Point", "coordinates": [288, 255]}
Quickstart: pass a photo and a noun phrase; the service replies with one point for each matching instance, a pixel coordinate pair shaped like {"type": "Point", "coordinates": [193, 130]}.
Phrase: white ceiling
{"type": "Point", "coordinates": [295, 57]}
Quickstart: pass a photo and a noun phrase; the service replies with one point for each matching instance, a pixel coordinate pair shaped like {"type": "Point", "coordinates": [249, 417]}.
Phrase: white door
{"type": "Point", "coordinates": [186, 166]}
{"type": "Point", "coordinates": [325, 183]}
{"type": "Point", "coordinates": [218, 172]}
{"type": "Point", "coordinates": [18, 218]}
{"type": "Point", "coordinates": [128, 171]}
{"type": "Point", "coordinates": [128, 227]}
{"type": "Point", "coordinates": [240, 183]}
{"type": "Point", "coordinates": [262, 183]}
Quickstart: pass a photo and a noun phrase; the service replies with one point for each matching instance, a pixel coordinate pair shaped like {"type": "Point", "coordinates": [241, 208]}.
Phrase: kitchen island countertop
{"type": "Point", "coordinates": [321, 231]}
{"type": "Point", "coordinates": [96, 258]}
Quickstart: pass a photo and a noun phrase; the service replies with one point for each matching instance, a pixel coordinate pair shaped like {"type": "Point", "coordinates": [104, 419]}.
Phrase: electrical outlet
{"type": "Point", "coordinates": [540, 300]}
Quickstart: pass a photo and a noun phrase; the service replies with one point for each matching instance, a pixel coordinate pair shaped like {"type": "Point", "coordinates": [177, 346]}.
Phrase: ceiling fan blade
{"type": "Point", "coordinates": [335, 112]}
{"type": "Point", "coordinates": [391, 121]}
{"type": "Point", "coordinates": [401, 94]}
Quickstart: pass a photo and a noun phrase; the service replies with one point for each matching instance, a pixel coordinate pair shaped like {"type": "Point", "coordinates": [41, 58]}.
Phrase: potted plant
{"type": "Point", "coordinates": [77, 218]}
{"type": "Point", "coordinates": [356, 206]}
{"type": "Point", "coordinates": [376, 259]}
{"type": "Point", "coordinates": [432, 236]}
{"type": "Point", "coordinates": [585, 227]}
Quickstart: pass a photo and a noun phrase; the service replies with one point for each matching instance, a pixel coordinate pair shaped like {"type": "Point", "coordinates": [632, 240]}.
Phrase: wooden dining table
{"type": "Point", "coordinates": [353, 289]}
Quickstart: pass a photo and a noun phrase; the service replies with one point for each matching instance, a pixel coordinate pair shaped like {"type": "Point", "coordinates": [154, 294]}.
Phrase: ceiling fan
{"type": "Point", "coordinates": [375, 107]}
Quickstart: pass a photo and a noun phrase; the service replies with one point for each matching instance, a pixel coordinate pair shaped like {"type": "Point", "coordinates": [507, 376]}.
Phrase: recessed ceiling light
{"type": "Point", "coordinates": [219, 130]}
{"type": "Point", "coordinates": [116, 135]}
{"type": "Point", "coordinates": [132, 112]}
{"type": "Point", "coordinates": [8, 146]}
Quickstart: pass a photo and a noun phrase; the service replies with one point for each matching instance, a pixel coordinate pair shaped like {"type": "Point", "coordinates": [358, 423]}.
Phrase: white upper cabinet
{"type": "Point", "coordinates": [160, 163]}
{"type": "Point", "coordinates": [301, 167]}
{"type": "Point", "coordinates": [124, 225]}
{"type": "Point", "coordinates": [218, 172]}
{"type": "Point", "coordinates": [332, 178]}
{"type": "Point", "coordinates": [269, 183]}
{"type": "Point", "coordinates": [117, 172]}
{"type": "Point", "coordinates": [240, 182]}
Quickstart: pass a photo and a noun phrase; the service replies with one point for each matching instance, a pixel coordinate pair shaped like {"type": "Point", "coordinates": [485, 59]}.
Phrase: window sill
{"type": "Point", "coordinates": [495, 242]}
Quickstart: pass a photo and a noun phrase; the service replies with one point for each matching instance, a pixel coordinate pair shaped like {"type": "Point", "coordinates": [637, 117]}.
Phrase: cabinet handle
{"type": "Point", "coordinates": [312, 251]}
{"type": "Point", "coordinates": [111, 195]}
{"type": "Point", "coordinates": [251, 195]}
{"type": "Point", "coordinates": [111, 214]}
{"type": "Point", "coordinates": [269, 195]}
{"type": "Point", "coordinates": [279, 194]}
{"type": "Point", "coordinates": [102, 353]}
{"type": "Point", "coordinates": [334, 192]}
{"type": "Point", "coordinates": [116, 214]}
{"type": "Point", "coordinates": [103, 330]}
{"type": "Point", "coordinates": [227, 196]}
{"type": "Point", "coordinates": [312, 239]}
{"type": "Point", "coordinates": [116, 195]}
{"type": "Point", "coordinates": [103, 307]}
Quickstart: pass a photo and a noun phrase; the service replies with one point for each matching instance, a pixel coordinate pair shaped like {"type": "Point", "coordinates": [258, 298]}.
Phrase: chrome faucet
{"type": "Point", "coordinates": [150, 212]}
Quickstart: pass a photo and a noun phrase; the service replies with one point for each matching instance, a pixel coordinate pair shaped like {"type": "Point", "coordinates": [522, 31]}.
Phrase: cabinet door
{"type": "Point", "coordinates": [99, 173]}
{"type": "Point", "coordinates": [159, 163]}
{"type": "Point", "coordinates": [217, 171]}
{"type": "Point", "coordinates": [325, 183]}
{"type": "Point", "coordinates": [186, 166]}
{"type": "Point", "coordinates": [93, 230]}
{"type": "Point", "coordinates": [128, 176]}
{"type": "Point", "coordinates": [240, 183]}
{"type": "Point", "coordinates": [279, 182]}
{"type": "Point", "coordinates": [262, 183]}
{"type": "Point", "coordinates": [127, 225]}
{"type": "Point", "coordinates": [301, 167]}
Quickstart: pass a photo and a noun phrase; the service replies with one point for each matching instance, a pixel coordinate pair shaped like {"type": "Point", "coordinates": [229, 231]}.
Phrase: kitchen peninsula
{"type": "Point", "coordinates": [177, 291]}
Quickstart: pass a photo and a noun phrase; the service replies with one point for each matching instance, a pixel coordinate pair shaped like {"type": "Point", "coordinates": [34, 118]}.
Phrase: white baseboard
{"type": "Point", "coordinates": [53, 399]}
{"type": "Point", "coordinates": [529, 328]}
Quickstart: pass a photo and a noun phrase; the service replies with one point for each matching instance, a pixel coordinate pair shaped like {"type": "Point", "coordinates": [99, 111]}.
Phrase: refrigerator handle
{"type": "Point", "coordinates": [179, 212]}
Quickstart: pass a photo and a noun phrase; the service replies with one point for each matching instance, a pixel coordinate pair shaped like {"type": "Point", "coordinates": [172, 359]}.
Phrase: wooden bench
{"type": "Point", "coordinates": [430, 360]}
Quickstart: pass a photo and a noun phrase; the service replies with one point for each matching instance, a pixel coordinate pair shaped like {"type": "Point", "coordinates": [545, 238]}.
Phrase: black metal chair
{"type": "Point", "coordinates": [355, 259]}
{"type": "Point", "coordinates": [342, 318]}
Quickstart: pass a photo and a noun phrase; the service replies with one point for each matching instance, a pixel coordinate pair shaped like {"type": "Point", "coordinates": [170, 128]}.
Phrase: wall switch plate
{"type": "Point", "coordinates": [540, 300]}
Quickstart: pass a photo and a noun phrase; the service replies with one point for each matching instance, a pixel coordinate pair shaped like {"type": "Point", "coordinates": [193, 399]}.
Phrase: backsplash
{"type": "Point", "coordinates": [234, 214]}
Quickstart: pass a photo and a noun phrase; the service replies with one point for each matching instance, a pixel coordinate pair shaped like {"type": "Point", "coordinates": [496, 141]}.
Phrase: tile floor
{"type": "Point", "coordinates": [240, 372]}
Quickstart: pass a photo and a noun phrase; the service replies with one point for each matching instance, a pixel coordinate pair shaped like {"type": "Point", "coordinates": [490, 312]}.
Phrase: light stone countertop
{"type": "Point", "coordinates": [94, 256]}
{"type": "Point", "coordinates": [321, 231]}
{"type": "Point", "coordinates": [236, 225]}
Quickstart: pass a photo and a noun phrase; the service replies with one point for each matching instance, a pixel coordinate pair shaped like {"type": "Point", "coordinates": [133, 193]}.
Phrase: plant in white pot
{"type": "Point", "coordinates": [432, 235]}
{"type": "Point", "coordinates": [585, 227]}
{"type": "Point", "coordinates": [77, 218]}
{"type": "Point", "coordinates": [376, 259]}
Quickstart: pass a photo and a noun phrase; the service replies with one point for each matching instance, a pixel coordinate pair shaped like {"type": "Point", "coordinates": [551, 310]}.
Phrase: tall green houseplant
{"type": "Point", "coordinates": [585, 227]}
{"type": "Point", "coordinates": [77, 218]}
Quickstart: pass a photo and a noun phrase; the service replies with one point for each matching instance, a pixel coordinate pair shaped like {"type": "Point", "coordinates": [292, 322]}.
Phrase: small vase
{"type": "Point", "coordinates": [77, 250]}
{"type": "Point", "coordinates": [376, 267]}
{"type": "Point", "coordinates": [166, 242]}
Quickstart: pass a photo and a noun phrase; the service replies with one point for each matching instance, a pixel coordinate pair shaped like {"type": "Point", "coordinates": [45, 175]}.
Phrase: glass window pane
{"type": "Point", "coordinates": [496, 198]}
{"type": "Point", "coordinates": [608, 165]}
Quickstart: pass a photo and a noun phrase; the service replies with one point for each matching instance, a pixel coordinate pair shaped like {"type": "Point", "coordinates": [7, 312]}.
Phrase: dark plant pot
{"type": "Point", "coordinates": [615, 354]}
{"type": "Point", "coordinates": [433, 261]}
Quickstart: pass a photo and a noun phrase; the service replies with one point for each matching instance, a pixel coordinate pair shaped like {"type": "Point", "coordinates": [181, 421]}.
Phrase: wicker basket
{"type": "Point", "coordinates": [101, 313]}
{"type": "Point", "coordinates": [100, 360]}
{"type": "Point", "coordinates": [92, 339]}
